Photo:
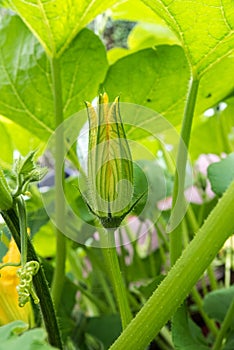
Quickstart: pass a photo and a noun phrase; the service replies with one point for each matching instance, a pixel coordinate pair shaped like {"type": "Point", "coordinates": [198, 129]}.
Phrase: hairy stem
{"type": "Point", "coordinates": [112, 262]}
{"type": "Point", "coordinates": [39, 280]}
{"type": "Point", "coordinates": [181, 278]}
{"type": "Point", "coordinates": [23, 228]}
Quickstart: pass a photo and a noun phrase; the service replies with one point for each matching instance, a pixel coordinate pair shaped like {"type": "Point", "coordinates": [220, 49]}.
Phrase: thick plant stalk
{"type": "Point", "coordinates": [39, 280]}
{"type": "Point", "coordinates": [181, 278]}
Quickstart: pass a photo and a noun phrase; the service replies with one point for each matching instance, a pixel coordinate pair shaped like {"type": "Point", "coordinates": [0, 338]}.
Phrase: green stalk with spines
{"type": "Point", "coordinates": [11, 219]}
{"type": "Point", "coordinates": [181, 278]}
{"type": "Point", "coordinates": [23, 228]}
{"type": "Point", "coordinates": [115, 275]}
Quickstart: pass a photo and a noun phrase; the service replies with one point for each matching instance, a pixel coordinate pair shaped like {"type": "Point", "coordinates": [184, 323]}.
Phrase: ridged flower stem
{"type": "Point", "coordinates": [111, 259]}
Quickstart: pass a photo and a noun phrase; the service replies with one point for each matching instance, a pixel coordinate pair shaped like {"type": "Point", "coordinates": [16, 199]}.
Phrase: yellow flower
{"type": "Point", "coordinates": [9, 308]}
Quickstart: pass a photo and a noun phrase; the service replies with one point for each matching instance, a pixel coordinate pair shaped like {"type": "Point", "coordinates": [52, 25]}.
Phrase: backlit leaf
{"type": "Point", "coordinates": [205, 28]}
{"type": "Point", "coordinates": [158, 79]}
{"type": "Point", "coordinates": [25, 79]}
{"type": "Point", "coordinates": [150, 78]}
{"type": "Point", "coordinates": [56, 22]}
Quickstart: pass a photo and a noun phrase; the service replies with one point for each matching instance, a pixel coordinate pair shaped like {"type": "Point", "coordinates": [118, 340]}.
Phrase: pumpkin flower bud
{"type": "Point", "coordinates": [109, 183]}
{"type": "Point", "coordinates": [6, 199]}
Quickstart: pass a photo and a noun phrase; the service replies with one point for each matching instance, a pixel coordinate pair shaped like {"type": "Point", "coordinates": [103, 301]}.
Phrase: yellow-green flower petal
{"type": "Point", "coordinates": [9, 308]}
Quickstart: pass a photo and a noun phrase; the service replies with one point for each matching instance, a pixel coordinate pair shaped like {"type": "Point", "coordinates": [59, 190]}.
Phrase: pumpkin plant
{"type": "Point", "coordinates": [118, 175]}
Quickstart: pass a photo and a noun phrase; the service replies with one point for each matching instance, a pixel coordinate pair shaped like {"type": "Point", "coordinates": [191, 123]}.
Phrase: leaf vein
{"type": "Point", "coordinates": [22, 103]}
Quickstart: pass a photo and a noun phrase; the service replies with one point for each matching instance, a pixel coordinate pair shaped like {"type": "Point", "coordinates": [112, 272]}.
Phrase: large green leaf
{"type": "Point", "coordinates": [133, 10]}
{"type": "Point", "coordinates": [229, 345]}
{"type": "Point", "coordinates": [150, 78]}
{"type": "Point", "coordinates": [56, 22]}
{"type": "Point", "coordinates": [145, 35]}
{"type": "Point", "coordinates": [217, 303]}
{"type": "Point", "coordinates": [216, 84]}
{"type": "Point", "coordinates": [221, 174]}
{"type": "Point", "coordinates": [205, 28]}
{"type": "Point", "coordinates": [188, 336]}
{"type": "Point", "coordinates": [97, 327]}
{"type": "Point", "coordinates": [25, 78]}
{"type": "Point", "coordinates": [158, 79]}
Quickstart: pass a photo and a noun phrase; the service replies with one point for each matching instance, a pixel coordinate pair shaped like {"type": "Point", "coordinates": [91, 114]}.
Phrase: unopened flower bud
{"type": "Point", "coordinates": [109, 183]}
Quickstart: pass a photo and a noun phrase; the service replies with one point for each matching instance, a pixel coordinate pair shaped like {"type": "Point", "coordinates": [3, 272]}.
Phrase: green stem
{"type": "Point", "coordinates": [161, 235]}
{"type": "Point", "coordinates": [111, 258]}
{"type": "Point", "coordinates": [223, 132]}
{"type": "Point", "coordinates": [227, 323]}
{"type": "Point", "coordinates": [161, 344]}
{"type": "Point", "coordinates": [153, 269]}
{"type": "Point", "coordinates": [204, 285]}
{"type": "Point", "coordinates": [199, 302]}
{"type": "Point", "coordinates": [107, 292]}
{"type": "Point", "coordinates": [23, 228]}
{"type": "Point", "coordinates": [178, 200]}
{"type": "Point", "coordinates": [101, 272]}
{"type": "Point", "coordinates": [97, 302]}
{"type": "Point", "coordinates": [39, 280]}
{"type": "Point", "coordinates": [60, 258]}
{"type": "Point", "coordinates": [161, 247]}
{"type": "Point", "coordinates": [212, 278]}
{"type": "Point", "coordinates": [201, 212]}
{"type": "Point", "coordinates": [73, 260]}
{"type": "Point", "coordinates": [181, 278]}
{"type": "Point", "coordinates": [228, 265]}
{"type": "Point", "coordinates": [194, 224]}
{"type": "Point", "coordinates": [178, 191]}
{"type": "Point", "coordinates": [134, 239]}
{"type": "Point", "coordinates": [167, 336]}
{"type": "Point", "coordinates": [195, 294]}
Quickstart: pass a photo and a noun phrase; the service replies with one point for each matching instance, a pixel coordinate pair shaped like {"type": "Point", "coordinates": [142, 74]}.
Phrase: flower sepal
{"type": "Point", "coordinates": [108, 187]}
